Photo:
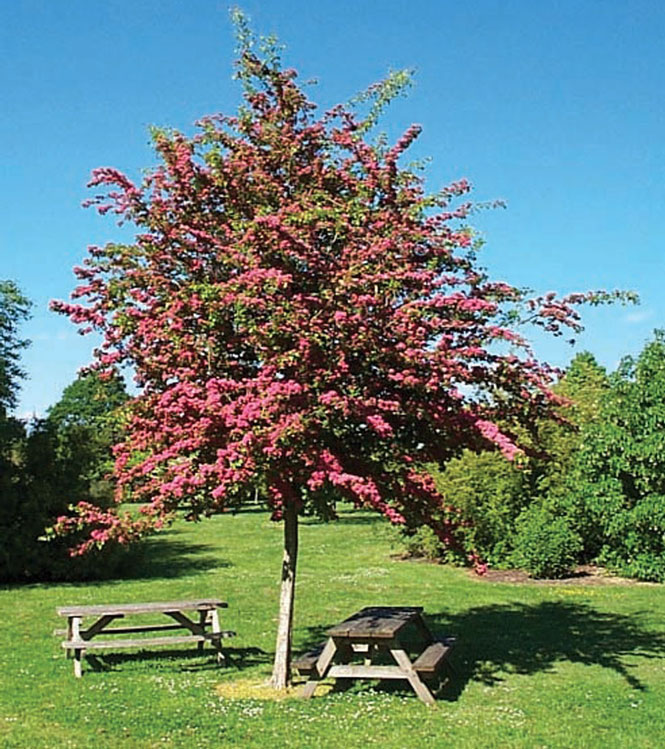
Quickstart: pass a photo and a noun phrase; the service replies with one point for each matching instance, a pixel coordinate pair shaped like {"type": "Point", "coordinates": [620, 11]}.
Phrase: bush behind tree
{"type": "Point", "coordinates": [544, 545]}
{"type": "Point", "coordinates": [495, 497]}
{"type": "Point", "coordinates": [619, 481]}
{"type": "Point", "coordinates": [489, 492]}
{"type": "Point", "coordinates": [48, 464]}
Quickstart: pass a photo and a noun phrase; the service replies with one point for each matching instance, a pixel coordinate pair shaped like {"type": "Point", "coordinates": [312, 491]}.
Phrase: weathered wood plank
{"type": "Point", "coordinates": [127, 630]}
{"type": "Point", "coordinates": [138, 643]}
{"type": "Point", "coordinates": [320, 668]}
{"type": "Point", "coordinates": [305, 663]}
{"type": "Point", "coordinates": [376, 622]}
{"type": "Point", "coordinates": [186, 623]}
{"type": "Point", "coordinates": [78, 669]}
{"type": "Point", "coordinates": [143, 641]}
{"type": "Point", "coordinates": [203, 619]}
{"type": "Point", "coordinates": [429, 661]}
{"type": "Point", "coordinates": [119, 609]}
{"type": "Point", "coordinates": [98, 626]}
{"type": "Point", "coordinates": [404, 662]}
{"type": "Point", "coordinates": [75, 625]}
{"type": "Point", "coordinates": [216, 630]}
{"type": "Point", "coordinates": [366, 672]}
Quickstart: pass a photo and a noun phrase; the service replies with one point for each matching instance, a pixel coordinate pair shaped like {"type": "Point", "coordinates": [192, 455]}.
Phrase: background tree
{"type": "Point", "coordinates": [44, 483]}
{"type": "Point", "coordinates": [84, 424]}
{"type": "Point", "coordinates": [619, 483]}
{"type": "Point", "coordinates": [488, 493]}
{"type": "Point", "coordinates": [14, 310]}
{"type": "Point", "coordinates": [50, 463]}
{"type": "Point", "coordinates": [502, 505]}
{"type": "Point", "coordinates": [583, 386]}
{"type": "Point", "coordinates": [300, 313]}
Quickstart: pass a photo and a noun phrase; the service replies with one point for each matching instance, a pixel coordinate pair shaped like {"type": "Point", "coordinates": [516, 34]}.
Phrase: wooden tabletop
{"type": "Point", "coordinates": [203, 604]}
{"type": "Point", "coordinates": [376, 621]}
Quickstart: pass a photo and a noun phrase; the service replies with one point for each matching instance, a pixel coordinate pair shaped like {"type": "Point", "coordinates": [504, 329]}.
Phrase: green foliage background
{"type": "Point", "coordinates": [48, 464]}
{"type": "Point", "coordinates": [619, 482]}
{"type": "Point", "coordinates": [592, 490]}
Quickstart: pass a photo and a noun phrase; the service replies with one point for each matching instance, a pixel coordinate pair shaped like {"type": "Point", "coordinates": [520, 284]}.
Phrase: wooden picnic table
{"type": "Point", "coordinates": [80, 638]}
{"type": "Point", "coordinates": [373, 631]}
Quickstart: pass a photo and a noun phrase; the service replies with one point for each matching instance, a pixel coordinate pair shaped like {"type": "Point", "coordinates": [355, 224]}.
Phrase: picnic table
{"type": "Point", "coordinates": [370, 633]}
{"type": "Point", "coordinates": [80, 637]}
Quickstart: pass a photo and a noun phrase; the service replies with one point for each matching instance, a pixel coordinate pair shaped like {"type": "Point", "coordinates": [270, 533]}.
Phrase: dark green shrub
{"type": "Point", "coordinates": [36, 486]}
{"type": "Point", "coordinates": [545, 546]}
{"type": "Point", "coordinates": [52, 463]}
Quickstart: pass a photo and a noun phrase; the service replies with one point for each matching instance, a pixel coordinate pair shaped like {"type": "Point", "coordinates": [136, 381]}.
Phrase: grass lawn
{"type": "Point", "coordinates": [540, 665]}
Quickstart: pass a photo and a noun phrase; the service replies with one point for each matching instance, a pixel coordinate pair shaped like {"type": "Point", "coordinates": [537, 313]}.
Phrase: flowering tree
{"type": "Point", "coordinates": [300, 313]}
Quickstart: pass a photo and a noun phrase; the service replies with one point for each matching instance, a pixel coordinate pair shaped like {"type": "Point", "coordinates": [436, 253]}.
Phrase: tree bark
{"type": "Point", "coordinates": [281, 673]}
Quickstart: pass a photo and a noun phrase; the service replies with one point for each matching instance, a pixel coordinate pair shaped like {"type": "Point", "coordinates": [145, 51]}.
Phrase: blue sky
{"type": "Point", "coordinates": [554, 106]}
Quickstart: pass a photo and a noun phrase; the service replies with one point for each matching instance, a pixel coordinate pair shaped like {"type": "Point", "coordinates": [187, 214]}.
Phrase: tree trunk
{"type": "Point", "coordinates": [281, 673]}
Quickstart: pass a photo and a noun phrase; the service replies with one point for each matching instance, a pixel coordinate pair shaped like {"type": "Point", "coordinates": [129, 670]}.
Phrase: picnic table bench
{"type": "Point", "coordinates": [373, 631]}
{"type": "Point", "coordinates": [80, 638]}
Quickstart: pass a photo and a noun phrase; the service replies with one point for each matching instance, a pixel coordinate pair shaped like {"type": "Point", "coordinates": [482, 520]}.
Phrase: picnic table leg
{"type": "Point", "coordinates": [320, 668]}
{"type": "Point", "coordinates": [69, 653]}
{"type": "Point", "coordinates": [424, 630]}
{"type": "Point", "coordinates": [217, 641]}
{"type": "Point", "coordinates": [345, 654]}
{"type": "Point", "coordinates": [75, 622]}
{"type": "Point", "coordinates": [418, 686]}
{"type": "Point", "coordinates": [429, 638]}
{"type": "Point", "coordinates": [364, 647]}
{"type": "Point", "coordinates": [203, 621]}
{"type": "Point", "coordinates": [371, 650]}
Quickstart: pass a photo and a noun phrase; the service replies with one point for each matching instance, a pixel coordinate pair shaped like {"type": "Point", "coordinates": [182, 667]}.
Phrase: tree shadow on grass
{"type": "Point", "coordinates": [348, 517]}
{"type": "Point", "coordinates": [498, 640]}
{"type": "Point", "coordinates": [181, 659]}
{"type": "Point", "coordinates": [526, 639]}
{"type": "Point", "coordinates": [163, 557]}
{"type": "Point", "coordinates": [158, 557]}
{"type": "Point", "coordinates": [362, 517]}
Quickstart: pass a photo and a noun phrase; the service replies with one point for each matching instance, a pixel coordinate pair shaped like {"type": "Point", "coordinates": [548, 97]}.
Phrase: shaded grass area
{"type": "Point", "coordinates": [538, 666]}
